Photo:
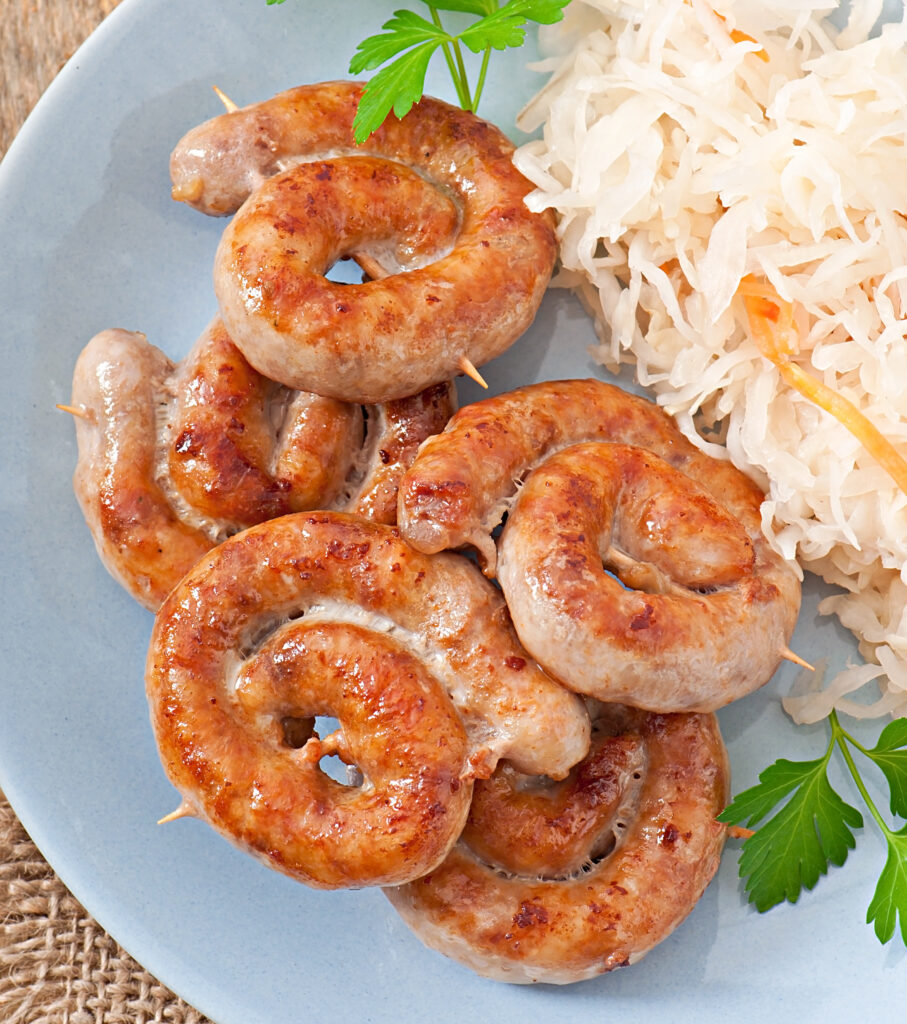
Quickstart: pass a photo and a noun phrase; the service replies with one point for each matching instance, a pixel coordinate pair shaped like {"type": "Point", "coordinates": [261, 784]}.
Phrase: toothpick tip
{"type": "Point", "coordinates": [370, 266]}
{"type": "Point", "coordinates": [227, 102]}
{"type": "Point", "coordinates": [183, 811]}
{"type": "Point", "coordinates": [469, 369]}
{"type": "Point", "coordinates": [75, 410]}
{"type": "Point", "coordinates": [789, 655]}
{"type": "Point", "coordinates": [739, 832]}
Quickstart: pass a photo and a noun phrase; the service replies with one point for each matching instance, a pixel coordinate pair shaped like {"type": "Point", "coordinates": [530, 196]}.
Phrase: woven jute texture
{"type": "Point", "coordinates": [37, 37]}
{"type": "Point", "coordinates": [57, 965]}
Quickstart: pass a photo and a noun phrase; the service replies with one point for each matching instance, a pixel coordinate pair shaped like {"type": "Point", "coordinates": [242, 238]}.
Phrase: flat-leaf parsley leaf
{"type": "Point", "coordinates": [408, 41]}
{"type": "Point", "coordinates": [889, 756]}
{"type": "Point", "coordinates": [814, 827]}
{"type": "Point", "coordinates": [793, 849]}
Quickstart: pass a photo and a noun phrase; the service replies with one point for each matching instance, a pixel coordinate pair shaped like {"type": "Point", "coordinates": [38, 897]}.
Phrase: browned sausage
{"type": "Point", "coordinates": [386, 338]}
{"type": "Point", "coordinates": [247, 639]}
{"type": "Point", "coordinates": [174, 458]}
{"type": "Point", "coordinates": [559, 883]}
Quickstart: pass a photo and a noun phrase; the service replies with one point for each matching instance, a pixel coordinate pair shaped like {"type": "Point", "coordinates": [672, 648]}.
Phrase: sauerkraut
{"type": "Point", "coordinates": [687, 146]}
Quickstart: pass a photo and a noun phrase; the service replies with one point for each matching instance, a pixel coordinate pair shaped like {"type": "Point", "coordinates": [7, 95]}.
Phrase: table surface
{"type": "Point", "coordinates": [57, 965]}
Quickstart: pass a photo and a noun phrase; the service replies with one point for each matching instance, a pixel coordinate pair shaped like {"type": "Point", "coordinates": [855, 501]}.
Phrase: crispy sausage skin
{"type": "Point", "coordinates": [238, 765]}
{"type": "Point", "coordinates": [631, 583]}
{"type": "Point", "coordinates": [236, 641]}
{"type": "Point", "coordinates": [560, 882]}
{"type": "Point", "coordinates": [174, 458]}
{"type": "Point", "coordinates": [305, 186]}
{"type": "Point", "coordinates": [672, 636]}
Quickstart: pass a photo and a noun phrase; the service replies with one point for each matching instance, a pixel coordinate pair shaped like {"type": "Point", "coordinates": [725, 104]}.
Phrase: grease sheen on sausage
{"type": "Point", "coordinates": [387, 337]}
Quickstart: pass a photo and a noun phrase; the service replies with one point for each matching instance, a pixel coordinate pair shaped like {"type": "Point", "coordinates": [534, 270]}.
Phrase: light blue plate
{"type": "Point", "coordinates": [90, 239]}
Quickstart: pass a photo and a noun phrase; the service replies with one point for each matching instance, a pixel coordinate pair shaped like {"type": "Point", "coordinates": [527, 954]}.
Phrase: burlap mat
{"type": "Point", "coordinates": [57, 966]}
{"type": "Point", "coordinates": [37, 37]}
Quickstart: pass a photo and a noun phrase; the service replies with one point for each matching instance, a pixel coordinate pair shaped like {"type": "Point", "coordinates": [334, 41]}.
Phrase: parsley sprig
{"type": "Point", "coordinates": [409, 41]}
{"type": "Point", "coordinates": [815, 827]}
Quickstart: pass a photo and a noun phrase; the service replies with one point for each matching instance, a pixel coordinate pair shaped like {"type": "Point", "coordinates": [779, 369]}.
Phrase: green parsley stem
{"type": "Point", "coordinates": [841, 737]}
{"type": "Point", "coordinates": [461, 66]}
{"type": "Point", "coordinates": [458, 76]}
{"type": "Point", "coordinates": [480, 84]}
{"type": "Point", "coordinates": [409, 41]}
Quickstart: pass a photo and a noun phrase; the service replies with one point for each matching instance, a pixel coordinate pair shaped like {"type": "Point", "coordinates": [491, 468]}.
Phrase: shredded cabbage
{"type": "Point", "coordinates": [687, 146]}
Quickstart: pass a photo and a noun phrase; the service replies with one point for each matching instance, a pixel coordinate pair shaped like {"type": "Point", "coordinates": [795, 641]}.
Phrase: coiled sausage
{"type": "Point", "coordinates": [716, 633]}
{"type": "Point", "coordinates": [560, 883]}
{"type": "Point", "coordinates": [384, 338]}
{"type": "Point", "coordinates": [174, 458]}
{"type": "Point", "coordinates": [229, 646]}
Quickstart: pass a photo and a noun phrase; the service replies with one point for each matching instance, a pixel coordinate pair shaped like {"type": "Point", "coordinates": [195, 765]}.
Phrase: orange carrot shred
{"type": "Point", "coordinates": [739, 37]}
{"type": "Point", "coordinates": [772, 327]}
{"type": "Point", "coordinates": [742, 37]}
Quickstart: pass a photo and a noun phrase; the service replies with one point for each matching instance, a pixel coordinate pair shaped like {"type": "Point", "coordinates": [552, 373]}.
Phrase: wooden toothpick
{"type": "Point", "coordinates": [183, 811]}
{"type": "Point", "coordinates": [227, 102]}
{"type": "Point", "coordinates": [739, 832]}
{"type": "Point", "coordinates": [789, 655]}
{"type": "Point", "coordinates": [77, 410]}
{"type": "Point", "coordinates": [369, 266]}
{"type": "Point", "coordinates": [469, 369]}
